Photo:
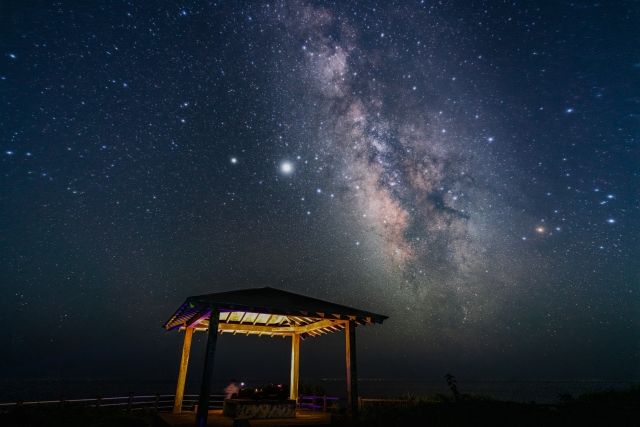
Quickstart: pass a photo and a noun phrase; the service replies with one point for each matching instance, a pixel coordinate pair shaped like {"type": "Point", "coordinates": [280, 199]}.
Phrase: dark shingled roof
{"type": "Point", "coordinates": [269, 301]}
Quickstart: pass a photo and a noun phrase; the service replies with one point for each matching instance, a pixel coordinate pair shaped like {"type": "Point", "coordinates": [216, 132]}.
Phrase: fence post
{"type": "Point", "coordinates": [98, 401]}
{"type": "Point", "coordinates": [359, 402]}
{"type": "Point", "coordinates": [130, 403]}
{"type": "Point", "coordinates": [157, 401]}
{"type": "Point", "coordinates": [324, 403]}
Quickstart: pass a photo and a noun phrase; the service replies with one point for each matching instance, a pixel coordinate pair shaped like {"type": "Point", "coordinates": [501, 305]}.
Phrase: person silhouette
{"type": "Point", "coordinates": [232, 390]}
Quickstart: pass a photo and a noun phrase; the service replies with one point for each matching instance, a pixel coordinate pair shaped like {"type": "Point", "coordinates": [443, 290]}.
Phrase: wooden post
{"type": "Point", "coordinates": [182, 372]}
{"type": "Point", "coordinates": [295, 367]}
{"type": "Point", "coordinates": [352, 371]}
{"type": "Point", "coordinates": [207, 372]}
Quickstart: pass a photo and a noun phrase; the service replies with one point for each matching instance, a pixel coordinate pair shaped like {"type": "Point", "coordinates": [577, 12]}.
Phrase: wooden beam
{"type": "Point", "coordinates": [207, 372]}
{"type": "Point", "coordinates": [275, 330]}
{"type": "Point", "coordinates": [245, 327]}
{"type": "Point", "coordinates": [316, 328]}
{"type": "Point", "coordinates": [182, 372]}
{"type": "Point", "coordinates": [196, 319]}
{"type": "Point", "coordinates": [315, 325]}
{"type": "Point", "coordinates": [295, 367]}
{"type": "Point", "coordinates": [352, 371]}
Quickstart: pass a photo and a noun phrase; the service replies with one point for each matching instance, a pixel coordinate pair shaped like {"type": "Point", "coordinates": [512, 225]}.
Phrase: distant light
{"type": "Point", "coordinates": [610, 196]}
{"type": "Point", "coordinates": [234, 160]}
{"type": "Point", "coordinates": [286, 167]}
{"type": "Point", "coordinates": [569, 110]}
{"type": "Point", "coordinates": [611, 221]}
{"type": "Point", "coordinates": [10, 152]}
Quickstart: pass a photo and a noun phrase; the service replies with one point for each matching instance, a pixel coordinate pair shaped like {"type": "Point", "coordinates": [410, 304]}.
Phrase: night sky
{"type": "Point", "coordinates": [470, 169]}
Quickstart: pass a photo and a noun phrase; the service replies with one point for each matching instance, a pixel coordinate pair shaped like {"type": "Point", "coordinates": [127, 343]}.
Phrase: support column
{"type": "Point", "coordinates": [295, 366]}
{"type": "Point", "coordinates": [207, 372]}
{"type": "Point", "coordinates": [182, 372]}
{"type": "Point", "coordinates": [352, 371]}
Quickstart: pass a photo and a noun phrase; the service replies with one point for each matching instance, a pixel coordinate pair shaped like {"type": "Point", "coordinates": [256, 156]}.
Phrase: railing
{"type": "Point", "coordinates": [159, 402]}
{"type": "Point", "coordinates": [381, 402]}
{"type": "Point", "coordinates": [324, 403]}
{"type": "Point", "coordinates": [164, 402]}
{"type": "Point", "coordinates": [330, 403]}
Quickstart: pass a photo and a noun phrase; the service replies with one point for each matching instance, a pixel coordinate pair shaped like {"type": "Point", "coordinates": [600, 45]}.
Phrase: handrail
{"type": "Point", "coordinates": [315, 402]}
{"type": "Point", "coordinates": [159, 402]}
{"type": "Point", "coordinates": [163, 402]}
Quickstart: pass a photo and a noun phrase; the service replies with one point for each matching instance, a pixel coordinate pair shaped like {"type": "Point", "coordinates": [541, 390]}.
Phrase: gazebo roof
{"type": "Point", "coordinates": [268, 311]}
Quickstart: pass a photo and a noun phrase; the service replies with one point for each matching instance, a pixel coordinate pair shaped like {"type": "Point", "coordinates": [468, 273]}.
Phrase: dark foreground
{"type": "Point", "coordinates": [613, 408]}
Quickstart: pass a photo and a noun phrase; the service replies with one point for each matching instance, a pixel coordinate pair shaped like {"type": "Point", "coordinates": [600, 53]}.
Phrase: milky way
{"type": "Point", "coordinates": [408, 172]}
{"type": "Point", "coordinates": [470, 170]}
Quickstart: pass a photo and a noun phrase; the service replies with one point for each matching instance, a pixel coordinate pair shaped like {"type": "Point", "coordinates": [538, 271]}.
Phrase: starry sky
{"type": "Point", "coordinates": [470, 169]}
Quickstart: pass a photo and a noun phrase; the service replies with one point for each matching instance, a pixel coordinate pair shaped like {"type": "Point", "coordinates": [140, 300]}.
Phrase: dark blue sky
{"type": "Point", "coordinates": [468, 168]}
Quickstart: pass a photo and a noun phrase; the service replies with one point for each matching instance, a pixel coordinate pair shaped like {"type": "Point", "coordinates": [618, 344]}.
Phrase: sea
{"type": "Point", "coordinates": [539, 391]}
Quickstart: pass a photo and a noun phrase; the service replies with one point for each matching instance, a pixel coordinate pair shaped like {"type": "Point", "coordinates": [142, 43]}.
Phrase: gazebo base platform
{"type": "Point", "coordinates": [216, 419]}
{"type": "Point", "coordinates": [255, 409]}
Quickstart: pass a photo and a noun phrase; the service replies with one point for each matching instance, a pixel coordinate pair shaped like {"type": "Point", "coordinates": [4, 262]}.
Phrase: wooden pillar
{"type": "Point", "coordinates": [182, 372]}
{"type": "Point", "coordinates": [352, 371]}
{"type": "Point", "coordinates": [295, 366]}
{"type": "Point", "coordinates": [207, 372]}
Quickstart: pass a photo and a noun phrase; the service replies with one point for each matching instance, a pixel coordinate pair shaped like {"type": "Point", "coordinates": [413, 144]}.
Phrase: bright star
{"type": "Point", "coordinates": [611, 221]}
{"type": "Point", "coordinates": [234, 160]}
{"type": "Point", "coordinates": [286, 167]}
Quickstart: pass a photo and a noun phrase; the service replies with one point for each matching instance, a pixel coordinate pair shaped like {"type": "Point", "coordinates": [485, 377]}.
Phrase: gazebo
{"type": "Point", "coordinates": [264, 311]}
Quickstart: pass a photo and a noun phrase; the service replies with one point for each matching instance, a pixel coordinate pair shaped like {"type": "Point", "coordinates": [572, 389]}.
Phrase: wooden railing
{"type": "Point", "coordinates": [159, 402]}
